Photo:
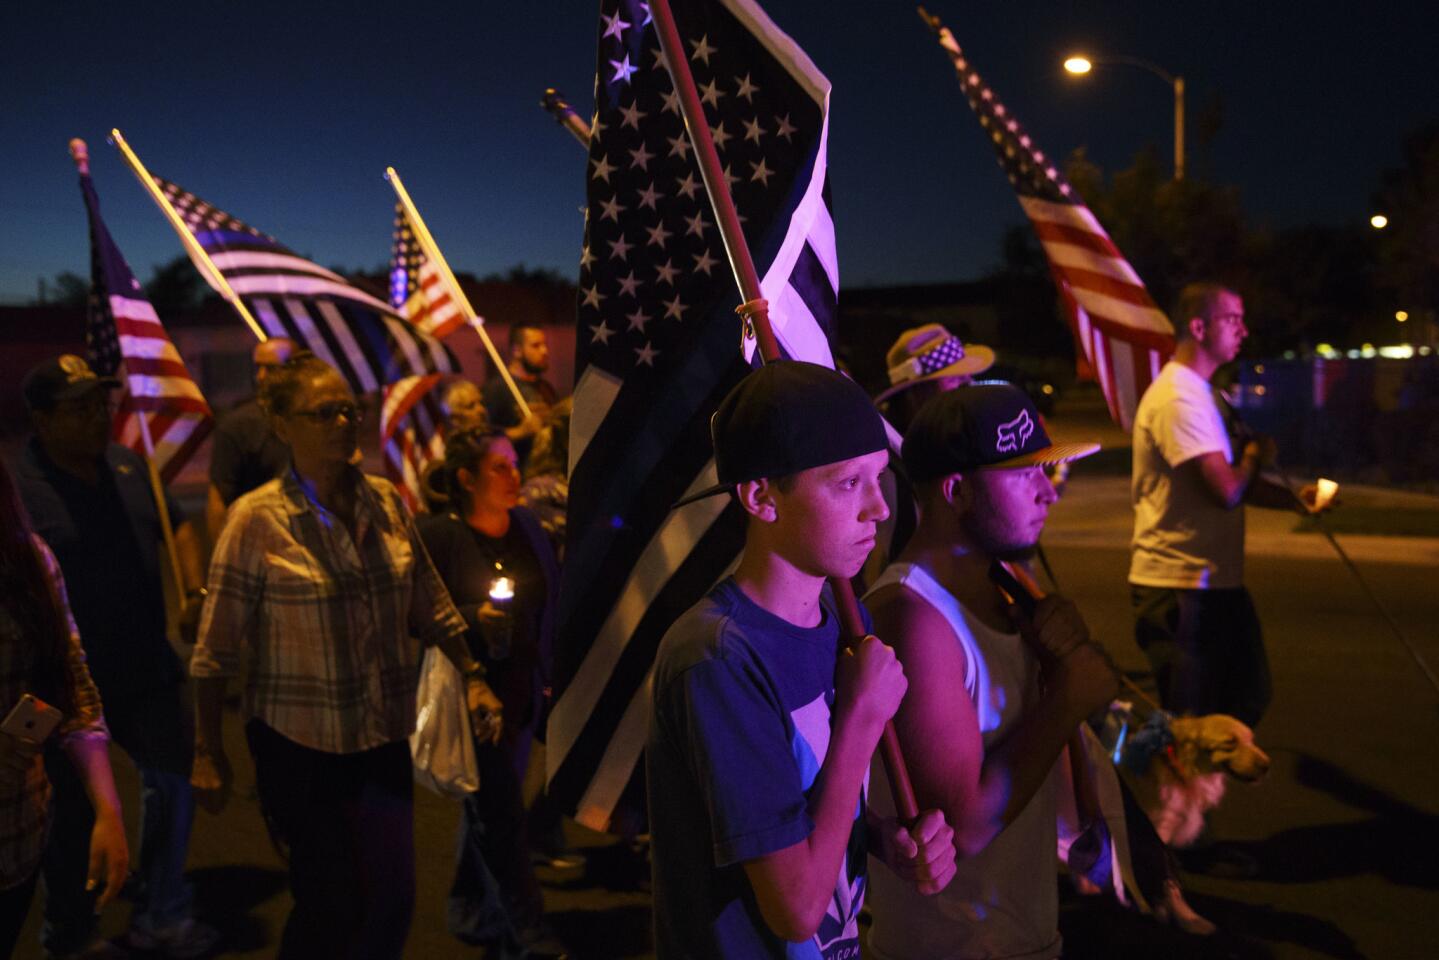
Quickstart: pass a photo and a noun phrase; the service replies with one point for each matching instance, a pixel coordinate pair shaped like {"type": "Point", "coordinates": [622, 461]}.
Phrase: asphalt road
{"type": "Point", "coordinates": [1345, 828]}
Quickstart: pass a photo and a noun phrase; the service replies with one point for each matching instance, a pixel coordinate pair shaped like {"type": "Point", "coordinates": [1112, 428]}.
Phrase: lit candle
{"type": "Point", "coordinates": [502, 590]}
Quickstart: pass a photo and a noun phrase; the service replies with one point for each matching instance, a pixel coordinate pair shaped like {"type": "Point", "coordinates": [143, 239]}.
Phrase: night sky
{"type": "Point", "coordinates": [285, 115]}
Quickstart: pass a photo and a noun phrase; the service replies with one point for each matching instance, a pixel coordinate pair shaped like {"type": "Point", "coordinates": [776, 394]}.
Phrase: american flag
{"type": "Point", "coordinates": [658, 346]}
{"type": "Point", "coordinates": [125, 339]}
{"type": "Point", "coordinates": [357, 334]}
{"type": "Point", "coordinates": [1125, 337]}
{"type": "Point", "coordinates": [417, 289]}
{"type": "Point", "coordinates": [410, 434]}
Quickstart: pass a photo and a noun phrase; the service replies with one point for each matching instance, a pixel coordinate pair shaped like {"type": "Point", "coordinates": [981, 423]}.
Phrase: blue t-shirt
{"type": "Point", "coordinates": [739, 729]}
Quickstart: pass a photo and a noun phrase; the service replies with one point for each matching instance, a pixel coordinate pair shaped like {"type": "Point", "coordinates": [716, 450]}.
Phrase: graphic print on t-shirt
{"type": "Point", "coordinates": [838, 935]}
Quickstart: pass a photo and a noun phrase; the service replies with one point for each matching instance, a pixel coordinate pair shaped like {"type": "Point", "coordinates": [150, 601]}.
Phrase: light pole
{"type": "Point", "coordinates": [1080, 65]}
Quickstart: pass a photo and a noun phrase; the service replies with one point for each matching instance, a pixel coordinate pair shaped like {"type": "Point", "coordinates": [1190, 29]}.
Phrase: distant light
{"type": "Point", "coordinates": [1259, 391]}
{"type": "Point", "coordinates": [1047, 389]}
{"type": "Point", "coordinates": [1353, 354]}
{"type": "Point", "coordinates": [1424, 351]}
{"type": "Point", "coordinates": [1078, 65]}
{"type": "Point", "coordinates": [1259, 368]}
{"type": "Point", "coordinates": [1401, 315]}
{"type": "Point", "coordinates": [1326, 351]}
{"type": "Point", "coordinates": [1403, 352]}
{"type": "Point", "coordinates": [1367, 350]}
{"type": "Point", "coordinates": [1289, 354]}
{"type": "Point", "coordinates": [1378, 221]}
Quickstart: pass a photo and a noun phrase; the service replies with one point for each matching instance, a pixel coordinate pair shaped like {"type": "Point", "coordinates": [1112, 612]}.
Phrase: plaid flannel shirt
{"type": "Point", "coordinates": [25, 805]}
{"type": "Point", "coordinates": [332, 627]}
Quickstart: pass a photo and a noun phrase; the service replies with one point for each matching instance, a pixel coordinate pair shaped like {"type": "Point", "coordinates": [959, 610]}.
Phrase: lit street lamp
{"type": "Point", "coordinates": [1079, 65]}
{"type": "Point", "coordinates": [1378, 221]}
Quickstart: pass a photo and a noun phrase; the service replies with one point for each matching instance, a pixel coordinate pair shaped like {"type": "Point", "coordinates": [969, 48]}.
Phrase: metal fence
{"type": "Point", "coordinates": [1371, 420]}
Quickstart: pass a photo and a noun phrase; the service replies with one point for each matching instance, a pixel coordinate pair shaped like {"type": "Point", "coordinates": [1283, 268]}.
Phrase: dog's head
{"type": "Point", "coordinates": [1217, 743]}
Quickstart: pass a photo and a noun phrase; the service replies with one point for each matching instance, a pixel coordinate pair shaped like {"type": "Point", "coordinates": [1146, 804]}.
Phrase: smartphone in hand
{"type": "Point", "coordinates": [32, 719]}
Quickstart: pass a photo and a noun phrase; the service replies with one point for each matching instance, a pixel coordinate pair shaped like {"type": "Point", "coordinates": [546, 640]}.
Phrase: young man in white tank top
{"type": "Point", "coordinates": [993, 698]}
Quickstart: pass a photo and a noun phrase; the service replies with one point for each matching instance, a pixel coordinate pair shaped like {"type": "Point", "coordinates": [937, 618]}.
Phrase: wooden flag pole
{"type": "Point", "coordinates": [432, 250]}
{"type": "Point", "coordinates": [167, 528]}
{"type": "Point", "coordinates": [1086, 789]}
{"type": "Point", "coordinates": [80, 153]}
{"type": "Point", "coordinates": [565, 115]}
{"type": "Point", "coordinates": [187, 239]}
{"type": "Point", "coordinates": [756, 314]}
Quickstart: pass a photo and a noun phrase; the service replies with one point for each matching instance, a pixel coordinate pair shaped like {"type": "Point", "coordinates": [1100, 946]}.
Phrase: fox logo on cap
{"type": "Point", "coordinates": [1012, 436]}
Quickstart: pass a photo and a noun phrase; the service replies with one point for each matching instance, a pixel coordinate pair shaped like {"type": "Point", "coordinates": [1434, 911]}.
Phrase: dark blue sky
{"type": "Point", "coordinates": [285, 114]}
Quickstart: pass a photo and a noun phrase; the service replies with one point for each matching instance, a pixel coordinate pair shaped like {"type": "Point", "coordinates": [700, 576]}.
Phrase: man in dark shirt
{"type": "Point", "coordinates": [245, 452]}
{"type": "Point", "coordinates": [529, 360]}
{"type": "Point", "coordinates": [93, 503]}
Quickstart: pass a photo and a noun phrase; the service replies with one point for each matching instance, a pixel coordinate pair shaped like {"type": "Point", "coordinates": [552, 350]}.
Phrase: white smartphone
{"type": "Point", "coordinates": [32, 719]}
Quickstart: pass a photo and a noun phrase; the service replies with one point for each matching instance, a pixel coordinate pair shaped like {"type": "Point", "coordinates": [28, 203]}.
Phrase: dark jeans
{"type": "Point", "coordinates": [495, 894]}
{"type": "Point", "coordinates": [349, 823]}
{"type": "Point", "coordinates": [1206, 648]}
{"type": "Point", "coordinates": [153, 729]}
{"type": "Point", "coordinates": [14, 907]}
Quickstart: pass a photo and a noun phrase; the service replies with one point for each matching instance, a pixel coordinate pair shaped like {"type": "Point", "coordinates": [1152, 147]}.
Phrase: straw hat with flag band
{"type": "Point", "coordinates": [929, 353]}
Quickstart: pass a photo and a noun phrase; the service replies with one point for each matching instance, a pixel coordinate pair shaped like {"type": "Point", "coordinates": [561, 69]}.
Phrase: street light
{"type": "Point", "coordinates": [1079, 65]}
{"type": "Point", "coordinates": [1401, 315]}
{"type": "Point", "coordinates": [1378, 221]}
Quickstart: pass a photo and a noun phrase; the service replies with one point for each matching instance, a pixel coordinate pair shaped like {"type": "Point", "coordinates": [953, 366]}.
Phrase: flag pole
{"type": "Point", "coordinates": [80, 153]}
{"type": "Point", "coordinates": [157, 488]}
{"type": "Point", "coordinates": [565, 115]}
{"type": "Point", "coordinates": [432, 250]}
{"type": "Point", "coordinates": [756, 317]}
{"type": "Point", "coordinates": [187, 239]}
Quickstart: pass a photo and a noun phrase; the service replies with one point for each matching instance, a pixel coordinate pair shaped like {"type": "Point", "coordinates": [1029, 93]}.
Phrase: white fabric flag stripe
{"type": "Point", "coordinates": [230, 260]}
{"type": "Point", "coordinates": [674, 540]}
{"type": "Point", "coordinates": [594, 395]}
{"type": "Point", "coordinates": [368, 377]}
{"type": "Point", "coordinates": [274, 284]}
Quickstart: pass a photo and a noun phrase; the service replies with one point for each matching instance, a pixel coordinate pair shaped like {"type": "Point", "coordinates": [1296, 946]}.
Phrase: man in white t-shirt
{"type": "Point", "coordinates": [1194, 618]}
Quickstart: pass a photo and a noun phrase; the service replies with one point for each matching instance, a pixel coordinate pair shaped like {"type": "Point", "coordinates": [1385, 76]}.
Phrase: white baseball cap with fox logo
{"type": "Point", "coordinates": [989, 425]}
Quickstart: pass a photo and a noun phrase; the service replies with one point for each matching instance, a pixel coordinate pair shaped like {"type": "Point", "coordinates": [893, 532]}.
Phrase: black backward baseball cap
{"type": "Point", "coordinates": [789, 416]}
{"type": "Point", "coordinates": [991, 424]}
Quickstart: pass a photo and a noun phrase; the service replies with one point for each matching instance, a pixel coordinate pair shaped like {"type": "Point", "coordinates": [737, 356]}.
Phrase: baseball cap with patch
{"type": "Point", "coordinates": [63, 378]}
{"type": "Point", "coordinates": [991, 425]}
{"type": "Point", "coordinates": [786, 417]}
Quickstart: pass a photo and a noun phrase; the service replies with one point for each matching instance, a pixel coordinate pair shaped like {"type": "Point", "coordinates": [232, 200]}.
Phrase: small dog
{"type": "Point", "coordinates": [1184, 782]}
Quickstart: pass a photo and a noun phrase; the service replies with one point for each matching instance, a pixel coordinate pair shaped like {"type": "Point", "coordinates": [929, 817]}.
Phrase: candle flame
{"type": "Point", "coordinates": [503, 588]}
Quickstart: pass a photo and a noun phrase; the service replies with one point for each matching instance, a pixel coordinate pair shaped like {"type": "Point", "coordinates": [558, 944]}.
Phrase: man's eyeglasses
{"type": "Point", "coordinates": [330, 412]}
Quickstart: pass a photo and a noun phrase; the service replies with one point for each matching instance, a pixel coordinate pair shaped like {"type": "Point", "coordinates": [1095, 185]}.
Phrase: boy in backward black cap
{"type": "Point", "coordinates": [759, 744]}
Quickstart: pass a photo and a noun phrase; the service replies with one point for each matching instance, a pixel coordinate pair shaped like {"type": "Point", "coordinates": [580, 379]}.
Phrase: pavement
{"type": "Point", "coordinates": [1345, 828]}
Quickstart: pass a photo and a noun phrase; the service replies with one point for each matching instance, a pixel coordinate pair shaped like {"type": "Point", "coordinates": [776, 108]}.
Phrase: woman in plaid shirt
{"type": "Point", "coordinates": [40, 654]}
{"type": "Point", "coordinates": [320, 583]}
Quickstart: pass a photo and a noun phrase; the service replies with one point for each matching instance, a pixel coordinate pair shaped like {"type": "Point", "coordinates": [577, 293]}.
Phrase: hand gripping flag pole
{"type": "Point", "coordinates": [755, 311]}
{"type": "Point", "coordinates": [80, 153]}
{"type": "Point", "coordinates": [432, 250]}
{"type": "Point", "coordinates": [187, 239]}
